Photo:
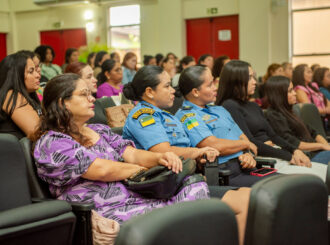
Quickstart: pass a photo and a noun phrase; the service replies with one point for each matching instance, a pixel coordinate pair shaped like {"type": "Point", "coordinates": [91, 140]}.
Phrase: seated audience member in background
{"type": "Point", "coordinates": [322, 78]}
{"type": "Point", "coordinates": [85, 72]}
{"type": "Point", "coordinates": [314, 67]}
{"type": "Point", "coordinates": [93, 160]}
{"type": "Point", "coordinates": [217, 67]}
{"type": "Point", "coordinates": [159, 59]}
{"type": "Point", "coordinates": [237, 83]}
{"type": "Point", "coordinates": [115, 56]}
{"type": "Point", "coordinates": [206, 60]}
{"type": "Point", "coordinates": [149, 60]}
{"type": "Point", "coordinates": [151, 128]}
{"type": "Point", "coordinates": [287, 69]}
{"type": "Point", "coordinates": [173, 57]}
{"type": "Point", "coordinates": [213, 126]}
{"type": "Point", "coordinates": [308, 91]}
{"type": "Point", "coordinates": [272, 70]}
{"type": "Point", "coordinates": [99, 59]}
{"type": "Point", "coordinates": [110, 79]}
{"type": "Point", "coordinates": [71, 56]}
{"type": "Point", "coordinates": [20, 106]}
{"type": "Point", "coordinates": [129, 67]}
{"type": "Point", "coordinates": [281, 97]}
{"type": "Point", "coordinates": [91, 59]}
{"type": "Point", "coordinates": [48, 69]}
{"type": "Point", "coordinates": [185, 62]}
{"type": "Point", "coordinates": [168, 65]}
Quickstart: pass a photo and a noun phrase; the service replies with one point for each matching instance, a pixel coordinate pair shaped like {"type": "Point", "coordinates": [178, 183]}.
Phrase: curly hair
{"type": "Point", "coordinates": [56, 116]}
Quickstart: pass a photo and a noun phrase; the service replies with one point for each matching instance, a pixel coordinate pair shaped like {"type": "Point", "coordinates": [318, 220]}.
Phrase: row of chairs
{"type": "Point", "coordinates": [282, 210]}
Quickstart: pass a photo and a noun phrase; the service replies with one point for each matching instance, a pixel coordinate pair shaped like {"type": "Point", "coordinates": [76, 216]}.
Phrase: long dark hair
{"type": "Point", "coordinates": [12, 76]}
{"type": "Point", "coordinates": [276, 89]}
{"type": "Point", "coordinates": [191, 78]}
{"type": "Point", "coordinates": [107, 66]}
{"type": "Point", "coordinates": [318, 76]}
{"type": "Point", "coordinates": [202, 58]}
{"type": "Point", "coordinates": [218, 65]}
{"type": "Point", "coordinates": [299, 79]}
{"type": "Point", "coordinates": [233, 82]}
{"type": "Point", "coordinates": [147, 76]}
{"type": "Point", "coordinates": [56, 116]}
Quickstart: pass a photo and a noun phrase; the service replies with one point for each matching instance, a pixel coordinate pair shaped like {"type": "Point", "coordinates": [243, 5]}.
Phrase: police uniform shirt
{"type": "Point", "coordinates": [147, 125]}
{"type": "Point", "coordinates": [200, 123]}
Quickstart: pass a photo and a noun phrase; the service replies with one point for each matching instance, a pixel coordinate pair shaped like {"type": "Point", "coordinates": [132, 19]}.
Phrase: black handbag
{"type": "Point", "coordinates": [160, 182]}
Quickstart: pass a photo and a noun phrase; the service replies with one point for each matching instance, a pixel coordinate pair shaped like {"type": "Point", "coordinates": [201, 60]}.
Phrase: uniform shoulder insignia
{"type": "Point", "coordinates": [167, 112]}
{"type": "Point", "coordinates": [143, 111]}
{"type": "Point", "coordinates": [146, 105]}
{"type": "Point", "coordinates": [185, 116]}
{"type": "Point", "coordinates": [186, 107]}
{"type": "Point", "coordinates": [147, 120]}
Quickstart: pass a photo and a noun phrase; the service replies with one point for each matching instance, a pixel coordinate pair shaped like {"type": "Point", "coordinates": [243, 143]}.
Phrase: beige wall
{"type": "Point", "coordinates": [263, 30]}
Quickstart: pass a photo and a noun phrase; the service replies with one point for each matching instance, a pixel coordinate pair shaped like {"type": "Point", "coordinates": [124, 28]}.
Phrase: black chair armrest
{"type": "Point", "coordinates": [83, 232]}
{"type": "Point", "coordinates": [216, 175]}
{"type": "Point", "coordinates": [33, 213]}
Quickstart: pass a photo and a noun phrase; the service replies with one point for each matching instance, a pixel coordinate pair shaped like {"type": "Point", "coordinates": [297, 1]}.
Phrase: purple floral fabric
{"type": "Point", "coordinates": [61, 161]}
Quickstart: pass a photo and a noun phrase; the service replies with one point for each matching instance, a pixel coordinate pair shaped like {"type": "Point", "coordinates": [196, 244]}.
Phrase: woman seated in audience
{"type": "Point", "coordinates": [217, 67]}
{"type": "Point", "coordinates": [20, 106]}
{"type": "Point", "coordinates": [206, 60]}
{"type": "Point", "coordinates": [91, 160]}
{"type": "Point", "coordinates": [168, 65]}
{"type": "Point", "coordinates": [115, 56]}
{"type": "Point", "coordinates": [129, 67]}
{"type": "Point", "coordinates": [237, 83]}
{"type": "Point", "coordinates": [109, 80]}
{"type": "Point", "coordinates": [159, 59]}
{"type": "Point", "coordinates": [185, 62]}
{"type": "Point", "coordinates": [98, 61]}
{"type": "Point", "coordinates": [48, 69]}
{"type": "Point", "coordinates": [213, 126]}
{"type": "Point", "coordinates": [85, 72]}
{"type": "Point", "coordinates": [281, 96]}
{"type": "Point", "coordinates": [158, 130]}
{"type": "Point", "coordinates": [308, 91]}
{"type": "Point", "coordinates": [149, 60]}
{"type": "Point", "coordinates": [287, 69]}
{"type": "Point", "coordinates": [71, 56]}
{"type": "Point", "coordinates": [322, 78]}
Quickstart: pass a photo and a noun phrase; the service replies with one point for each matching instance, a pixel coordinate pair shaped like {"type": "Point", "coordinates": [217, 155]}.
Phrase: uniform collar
{"type": "Point", "coordinates": [194, 106]}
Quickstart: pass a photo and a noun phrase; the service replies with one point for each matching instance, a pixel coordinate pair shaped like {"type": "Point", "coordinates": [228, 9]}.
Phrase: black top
{"type": "Point", "coordinates": [8, 126]}
{"type": "Point", "coordinates": [251, 120]}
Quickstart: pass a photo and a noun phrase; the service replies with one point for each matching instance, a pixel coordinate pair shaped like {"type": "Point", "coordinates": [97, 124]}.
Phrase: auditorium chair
{"type": "Point", "coordinates": [287, 210]}
{"type": "Point", "coordinates": [23, 220]}
{"type": "Point", "coordinates": [39, 190]}
{"type": "Point", "coordinates": [209, 222]}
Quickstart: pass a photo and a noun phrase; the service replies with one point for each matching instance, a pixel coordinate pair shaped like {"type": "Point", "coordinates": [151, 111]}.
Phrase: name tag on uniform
{"type": "Point", "coordinates": [213, 120]}
{"type": "Point", "coordinates": [170, 125]}
{"type": "Point", "coordinates": [146, 121]}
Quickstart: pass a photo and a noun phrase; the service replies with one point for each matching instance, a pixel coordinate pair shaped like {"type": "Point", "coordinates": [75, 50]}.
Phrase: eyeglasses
{"type": "Point", "coordinates": [85, 93]}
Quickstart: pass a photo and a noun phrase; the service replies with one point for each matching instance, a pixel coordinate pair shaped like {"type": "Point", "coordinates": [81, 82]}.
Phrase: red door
{"type": "Point", "coordinates": [61, 40]}
{"type": "Point", "coordinates": [3, 46]}
{"type": "Point", "coordinates": [215, 36]}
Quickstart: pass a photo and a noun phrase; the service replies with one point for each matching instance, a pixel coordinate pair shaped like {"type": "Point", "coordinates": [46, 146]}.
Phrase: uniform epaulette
{"type": "Point", "coordinates": [185, 116]}
{"type": "Point", "coordinates": [143, 111]}
{"type": "Point", "coordinates": [168, 112]}
{"type": "Point", "coordinates": [186, 107]}
{"type": "Point", "coordinates": [146, 105]}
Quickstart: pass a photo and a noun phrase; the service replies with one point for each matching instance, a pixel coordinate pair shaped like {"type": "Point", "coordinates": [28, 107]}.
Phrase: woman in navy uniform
{"type": "Point", "coordinates": [154, 129]}
{"type": "Point", "coordinates": [208, 125]}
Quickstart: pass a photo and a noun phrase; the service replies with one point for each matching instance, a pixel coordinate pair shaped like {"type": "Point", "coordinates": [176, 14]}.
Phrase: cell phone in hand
{"type": "Point", "coordinates": [263, 172]}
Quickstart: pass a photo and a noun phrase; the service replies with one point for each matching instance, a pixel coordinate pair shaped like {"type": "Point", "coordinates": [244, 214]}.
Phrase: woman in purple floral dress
{"type": "Point", "coordinates": [85, 163]}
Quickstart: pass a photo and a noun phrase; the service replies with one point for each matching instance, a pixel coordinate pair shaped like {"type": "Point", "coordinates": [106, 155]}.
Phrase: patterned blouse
{"type": "Point", "coordinates": [61, 161]}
